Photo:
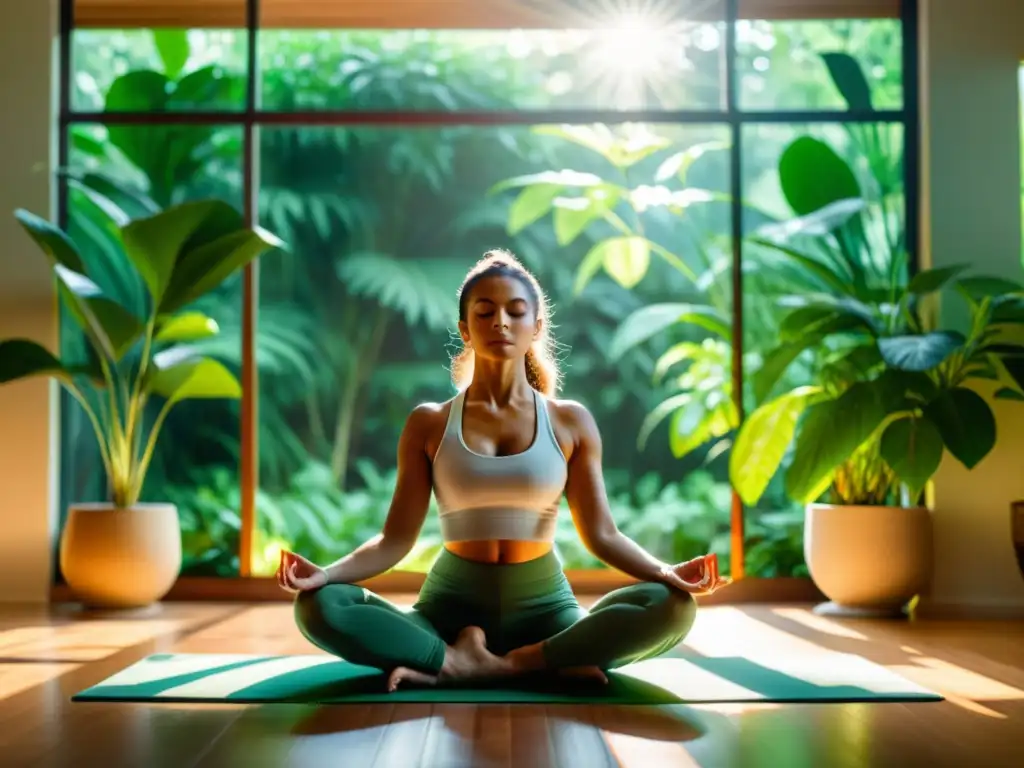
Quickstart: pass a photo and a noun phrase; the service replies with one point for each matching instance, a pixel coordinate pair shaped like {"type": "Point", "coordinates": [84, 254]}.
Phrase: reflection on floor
{"type": "Point", "coordinates": [46, 657]}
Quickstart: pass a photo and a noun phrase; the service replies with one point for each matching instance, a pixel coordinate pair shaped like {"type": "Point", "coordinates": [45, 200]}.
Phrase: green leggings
{"type": "Point", "coordinates": [515, 605]}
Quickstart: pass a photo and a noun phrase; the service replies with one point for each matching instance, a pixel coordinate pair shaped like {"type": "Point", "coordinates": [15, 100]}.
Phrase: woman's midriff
{"type": "Point", "coordinates": [503, 551]}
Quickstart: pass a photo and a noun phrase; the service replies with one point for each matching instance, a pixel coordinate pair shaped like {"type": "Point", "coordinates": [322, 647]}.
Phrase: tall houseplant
{"type": "Point", "coordinates": [890, 399]}
{"type": "Point", "coordinates": [127, 553]}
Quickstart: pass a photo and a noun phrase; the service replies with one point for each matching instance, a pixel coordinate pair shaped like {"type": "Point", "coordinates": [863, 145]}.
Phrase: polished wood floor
{"type": "Point", "coordinates": [46, 656]}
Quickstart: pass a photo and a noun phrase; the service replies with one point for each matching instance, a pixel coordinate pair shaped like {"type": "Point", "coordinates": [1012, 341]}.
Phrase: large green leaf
{"type": "Point", "coordinates": [154, 244]}
{"type": "Point", "coordinates": [170, 155]}
{"type": "Point", "coordinates": [531, 204]}
{"type": "Point", "coordinates": [981, 286]}
{"type": "Point", "coordinates": [206, 266]}
{"type": "Point", "coordinates": [930, 280]}
{"type": "Point", "coordinates": [919, 353]}
{"type": "Point", "coordinates": [966, 423]}
{"type": "Point", "coordinates": [705, 417]}
{"type": "Point", "coordinates": [763, 440]}
{"type": "Point", "coordinates": [189, 249]}
{"type": "Point", "coordinates": [22, 358]}
{"type": "Point", "coordinates": [189, 326]}
{"type": "Point", "coordinates": [572, 215]}
{"type": "Point", "coordinates": [812, 176]}
{"type": "Point", "coordinates": [912, 447]}
{"type": "Point", "coordinates": [849, 78]}
{"type": "Point", "coordinates": [829, 435]}
{"type": "Point", "coordinates": [173, 47]}
{"type": "Point", "coordinates": [648, 321]}
{"type": "Point", "coordinates": [57, 246]}
{"type": "Point", "coordinates": [817, 269]}
{"type": "Point", "coordinates": [109, 326]}
{"type": "Point", "coordinates": [626, 259]}
{"type": "Point", "coordinates": [183, 377]}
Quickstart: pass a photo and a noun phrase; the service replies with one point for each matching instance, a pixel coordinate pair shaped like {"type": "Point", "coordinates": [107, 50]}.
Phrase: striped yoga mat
{"type": "Point", "coordinates": [682, 677]}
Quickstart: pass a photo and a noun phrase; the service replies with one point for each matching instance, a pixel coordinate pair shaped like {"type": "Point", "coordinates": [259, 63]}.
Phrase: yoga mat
{"type": "Point", "coordinates": [679, 678]}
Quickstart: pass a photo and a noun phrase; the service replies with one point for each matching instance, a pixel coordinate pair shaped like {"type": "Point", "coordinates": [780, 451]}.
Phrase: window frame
{"type": "Point", "coordinates": [218, 13]}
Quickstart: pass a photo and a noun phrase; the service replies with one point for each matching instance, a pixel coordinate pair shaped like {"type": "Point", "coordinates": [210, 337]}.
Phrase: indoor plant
{"type": "Point", "coordinates": [126, 553]}
{"type": "Point", "coordinates": [890, 399]}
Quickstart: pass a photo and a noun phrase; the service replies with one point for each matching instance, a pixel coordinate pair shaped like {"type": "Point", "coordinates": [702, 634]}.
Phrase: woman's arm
{"type": "Point", "coordinates": [407, 511]}
{"type": "Point", "coordinates": [588, 502]}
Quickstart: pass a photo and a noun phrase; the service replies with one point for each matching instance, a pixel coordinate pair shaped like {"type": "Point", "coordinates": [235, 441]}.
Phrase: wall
{"type": "Point", "coordinates": [27, 409]}
{"type": "Point", "coordinates": [971, 212]}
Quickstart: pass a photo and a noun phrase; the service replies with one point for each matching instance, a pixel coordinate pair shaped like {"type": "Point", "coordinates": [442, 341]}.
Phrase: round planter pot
{"type": "Point", "coordinates": [117, 557]}
{"type": "Point", "coordinates": [869, 561]}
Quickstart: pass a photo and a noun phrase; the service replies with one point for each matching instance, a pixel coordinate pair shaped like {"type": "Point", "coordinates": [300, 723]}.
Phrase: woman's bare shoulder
{"type": "Point", "coordinates": [427, 421]}
{"type": "Point", "coordinates": [573, 423]}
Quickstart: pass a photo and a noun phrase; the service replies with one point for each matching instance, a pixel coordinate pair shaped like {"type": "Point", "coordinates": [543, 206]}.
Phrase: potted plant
{"type": "Point", "coordinates": [126, 553]}
{"type": "Point", "coordinates": [890, 399]}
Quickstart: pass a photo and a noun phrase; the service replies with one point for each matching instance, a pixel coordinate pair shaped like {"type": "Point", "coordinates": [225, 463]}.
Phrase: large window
{"type": "Point", "coordinates": [653, 169]}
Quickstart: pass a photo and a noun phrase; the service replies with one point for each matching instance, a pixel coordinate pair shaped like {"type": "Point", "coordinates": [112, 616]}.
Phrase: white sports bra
{"type": "Point", "coordinates": [512, 497]}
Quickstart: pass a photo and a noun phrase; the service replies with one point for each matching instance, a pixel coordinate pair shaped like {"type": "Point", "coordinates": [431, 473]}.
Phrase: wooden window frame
{"type": "Point", "coordinates": [432, 14]}
{"type": "Point", "coordinates": [453, 14]}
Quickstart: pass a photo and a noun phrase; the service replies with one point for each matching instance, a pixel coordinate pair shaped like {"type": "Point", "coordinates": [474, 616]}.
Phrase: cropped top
{"type": "Point", "coordinates": [513, 497]}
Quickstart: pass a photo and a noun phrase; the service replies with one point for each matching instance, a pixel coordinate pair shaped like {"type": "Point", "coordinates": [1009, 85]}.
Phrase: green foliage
{"type": "Point", "coordinates": [180, 253]}
{"type": "Point", "coordinates": [891, 422]}
{"type": "Point", "coordinates": [386, 221]}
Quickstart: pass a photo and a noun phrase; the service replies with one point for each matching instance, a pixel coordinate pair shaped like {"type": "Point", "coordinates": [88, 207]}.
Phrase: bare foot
{"type": "Point", "coordinates": [595, 674]}
{"type": "Point", "coordinates": [467, 659]}
{"type": "Point", "coordinates": [404, 674]}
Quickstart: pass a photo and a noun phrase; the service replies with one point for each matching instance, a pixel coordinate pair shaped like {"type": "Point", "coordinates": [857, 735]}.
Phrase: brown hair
{"type": "Point", "coordinates": [541, 366]}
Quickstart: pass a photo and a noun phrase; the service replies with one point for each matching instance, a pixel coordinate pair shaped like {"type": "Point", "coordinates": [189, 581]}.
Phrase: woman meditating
{"type": "Point", "coordinates": [498, 457]}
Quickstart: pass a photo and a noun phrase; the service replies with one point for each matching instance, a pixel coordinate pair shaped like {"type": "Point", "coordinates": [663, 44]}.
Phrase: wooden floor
{"type": "Point", "coordinates": [45, 657]}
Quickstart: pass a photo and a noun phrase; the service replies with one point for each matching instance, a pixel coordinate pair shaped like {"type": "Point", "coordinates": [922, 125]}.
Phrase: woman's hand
{"type": "Point", "coordinates": [698, 576]}
{"type": "Point", "coordinates": [297, 574]}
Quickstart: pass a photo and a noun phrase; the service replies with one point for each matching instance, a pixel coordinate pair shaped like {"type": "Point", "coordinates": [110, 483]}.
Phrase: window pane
{"type": "Point", "coordinates": [158, 70]}
{"type": "Point", "coordinates": [798, 184]}
{"type": "Point", "coordinates": [650, 64]}
{"type": "Point", "coordinates": [356, 325]}
{"type": "Point", "coordinates": [195, 462]}
{"type": "Point", "coordinates": [783, 65]}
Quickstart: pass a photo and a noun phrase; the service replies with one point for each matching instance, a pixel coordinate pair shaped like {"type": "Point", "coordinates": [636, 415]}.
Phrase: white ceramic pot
{"type": "Point", "coordinates": [121, 557]}
{"type": "Point", "coordinates": [868, 560]}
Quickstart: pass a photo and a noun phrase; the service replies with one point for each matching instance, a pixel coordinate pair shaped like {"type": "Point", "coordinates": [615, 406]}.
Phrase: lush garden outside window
{"type": "Point", "coordinates": [389, 159]}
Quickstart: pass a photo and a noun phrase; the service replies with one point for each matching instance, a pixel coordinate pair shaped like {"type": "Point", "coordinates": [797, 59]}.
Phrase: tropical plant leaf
{"type": "Point", "coordinates": [919, 353]}
{"type": "Point", "coordinates": [648, 321]}
{"type": "Point", "coordinates": [23, 358]}
{"type": "Point", "coordinates": [531, 204]}
{"type": "Point", "coordinates": [173, 48]}
{"type": "Point", "coordinates": [193, 379]}
{"type": "Point", "coordinates": [421, 291]}
{"type": "Point", "coordinates": [189, 326]}
{"type": "Point", "coordinates": [913, 448]}
{"type": "Point", "coordinates": [110, 327]}
{"type": "Point", "coordinates": [57, 246]}
{"type": "Point", "coordinates": [819, 223]}
{"type": "Point", "coordinates": [817, 269]}
{"type": "Point", "coordinates": [626, 259]}
{"type": "Point", "coordinates": [831, 432]}
{"type": "Point", "coordinates": [966, 423]}
{"type": "Point", "coordinates": [813, 176]}
{"type": "Point", "coordinates": [849, 79]}
{"type": "Point", "coordinates": [573, 215]}
{"type": "Point", "coordinates": [763, 440]}
{"type": "Point", "coordinates": [930, 280]}
{"type": "Point", "coordinates": [981, 286]}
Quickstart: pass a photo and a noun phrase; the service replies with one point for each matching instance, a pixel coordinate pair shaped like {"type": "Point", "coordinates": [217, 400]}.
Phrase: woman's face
{"type": "Point", "coordinates": [501, 320]}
